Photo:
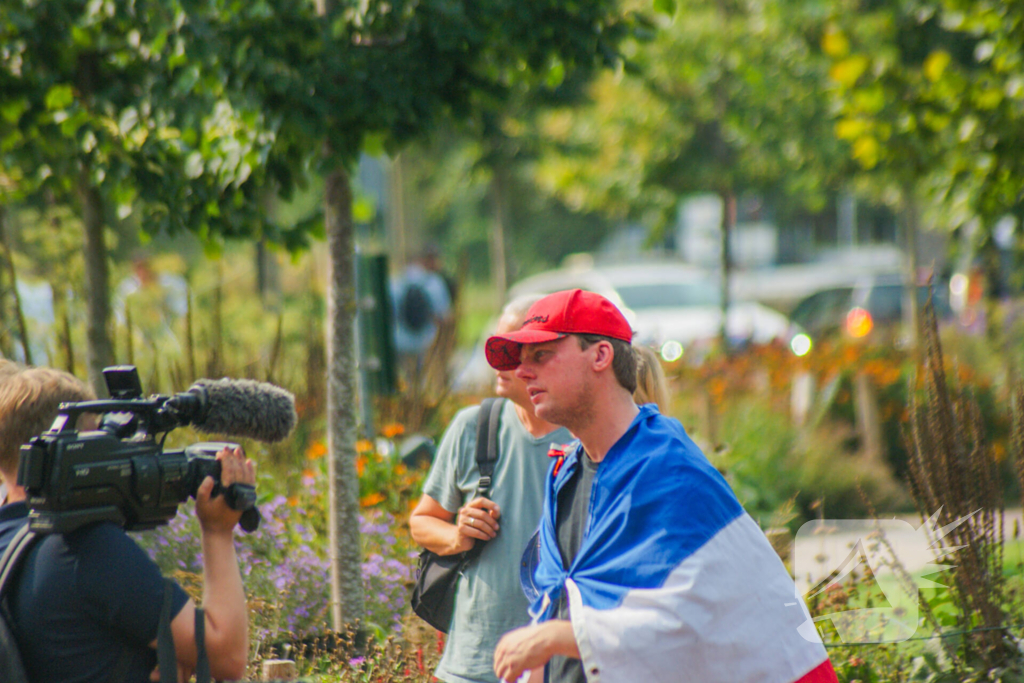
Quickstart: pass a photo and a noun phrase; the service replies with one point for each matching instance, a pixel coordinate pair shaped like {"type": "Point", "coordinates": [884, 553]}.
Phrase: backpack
{"type": "Point", "coordinates": [12, 669]}
{"type": "Point", "coordinates": [415, 310]}
{"type": "Point", "coordinates": [437, 576]}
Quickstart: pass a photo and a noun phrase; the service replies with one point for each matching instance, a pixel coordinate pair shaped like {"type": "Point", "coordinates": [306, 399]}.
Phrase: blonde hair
{"type": "Point", "coordinates": [650, 379]}
{"type": "Point", "coordinates": [9, 368]}
{"type": "Point", "coordinates": [518, 308]}
{"type": "Point", "coordinates": [29, 400]}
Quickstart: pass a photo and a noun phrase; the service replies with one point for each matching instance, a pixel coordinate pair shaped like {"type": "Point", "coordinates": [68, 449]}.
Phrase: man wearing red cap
{"type": "Point", "coordinates": [646, 567]}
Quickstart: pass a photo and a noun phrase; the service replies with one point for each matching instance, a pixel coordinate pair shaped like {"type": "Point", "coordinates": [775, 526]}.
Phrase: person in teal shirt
{"type": "Point", "coordinates": [450, 518]}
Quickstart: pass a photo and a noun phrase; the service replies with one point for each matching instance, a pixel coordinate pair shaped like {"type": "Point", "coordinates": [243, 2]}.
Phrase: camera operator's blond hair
{"type": "Point", "coordinates": [29, 399]}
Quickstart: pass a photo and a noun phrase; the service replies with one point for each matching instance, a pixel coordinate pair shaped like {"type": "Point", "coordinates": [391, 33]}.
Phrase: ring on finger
{"type": "Point", "coordinates": [470, 521]}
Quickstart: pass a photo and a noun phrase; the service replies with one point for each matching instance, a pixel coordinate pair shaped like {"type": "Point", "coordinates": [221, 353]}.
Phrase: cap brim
{"type": "Point", "coordinates": [503, 350]}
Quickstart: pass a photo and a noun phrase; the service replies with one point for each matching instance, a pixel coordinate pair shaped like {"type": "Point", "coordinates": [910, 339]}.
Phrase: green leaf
{"type": "Point", "coordinates": [129, 117]}
{"type": "Point", "coordinates": [373, 144]}
{"type": "Point", "coordinates": [194, 165]}
{"type": "Point", "coordinates": [363, 210]}
{"type": "Point", "coordinates": [69, 126]}
{"type": "Point", "coordinates": [556, 75]}
{"type": "Point", "coordinates": [666, 7]}
{"type": "Point", "coordinates": [13, 109]}
{"type": "Point", "coordinates": [59, 97]}
{"type": "Point", "coordinates": [81, 37]}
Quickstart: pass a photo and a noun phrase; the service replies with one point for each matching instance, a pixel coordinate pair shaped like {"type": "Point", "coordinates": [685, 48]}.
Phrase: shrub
{"type": "Point", "coordinates": [285, 562]}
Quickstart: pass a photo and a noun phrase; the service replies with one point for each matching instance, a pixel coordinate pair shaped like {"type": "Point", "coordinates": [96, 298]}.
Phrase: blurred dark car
{"type": "Point", "coordinates": [870, 309]}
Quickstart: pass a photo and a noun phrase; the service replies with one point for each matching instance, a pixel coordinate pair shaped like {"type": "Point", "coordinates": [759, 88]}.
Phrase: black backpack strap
{"type": "Point", "coordinates": [17, 549]}
{"type": "Point", "coordinates": [202, 663]}
{"type": "Point", "coordinates": [166, 658]}
{"type": "Point", "coordinates": [487, 425]}
{"type": "Point", "coordinates": [12, 666]}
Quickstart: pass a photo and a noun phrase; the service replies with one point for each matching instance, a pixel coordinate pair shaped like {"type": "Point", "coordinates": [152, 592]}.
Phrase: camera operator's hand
{"type": "Point", "coordinates": [215, 515]}
{"type": "Point", "coordinates": [226, 619]}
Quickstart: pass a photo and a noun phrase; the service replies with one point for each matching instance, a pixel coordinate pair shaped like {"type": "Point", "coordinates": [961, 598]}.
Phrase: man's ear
{"type": "Point", "coordinates": [605, 354]}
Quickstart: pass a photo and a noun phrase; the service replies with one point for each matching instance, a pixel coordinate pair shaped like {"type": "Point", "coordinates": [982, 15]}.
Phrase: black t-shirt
{"type": "Point", "coordinates": [573, 513]}
{"type": "Point", "coordinates": [81, 598]}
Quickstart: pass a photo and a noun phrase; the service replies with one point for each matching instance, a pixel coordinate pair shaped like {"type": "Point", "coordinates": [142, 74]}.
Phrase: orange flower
{"type": "Point", "coordinates": [998, 451]}
{"type": "Point", "coordinates": [317, 449]}
{"type": "Point", "coordinates": [364, 446]}
{"type": "Point", "coordinates": [309, 473]}
{"type": "Point", "coordinates": [392, 430]}
{"type": "Point", "coordinates": [360, 465]}
{"type": "Point", "coordinates": [371, 499]}
{"type": "Point", "coordinates": [293, 501]}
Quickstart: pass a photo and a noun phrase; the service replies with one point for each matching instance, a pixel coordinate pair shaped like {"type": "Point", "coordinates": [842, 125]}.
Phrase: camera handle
{"type": "Point", "coordinates": [242, 497]}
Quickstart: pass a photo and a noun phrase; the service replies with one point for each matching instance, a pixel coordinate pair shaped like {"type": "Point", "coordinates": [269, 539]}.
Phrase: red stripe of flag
{"type": "Point", "coordinates": [823, 673]}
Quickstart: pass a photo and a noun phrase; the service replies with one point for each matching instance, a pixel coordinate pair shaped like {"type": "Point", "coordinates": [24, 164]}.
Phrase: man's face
{"type": "Point", "coordinates": [557, 376]}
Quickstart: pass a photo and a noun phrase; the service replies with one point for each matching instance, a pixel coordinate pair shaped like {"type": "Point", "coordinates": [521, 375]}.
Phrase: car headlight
{"type": "Point", "coordinates": [859, 323]}
{"type": "Point", "coordinates": [800, 344]}
{"type": "Point", "coordinates": [671, 351]}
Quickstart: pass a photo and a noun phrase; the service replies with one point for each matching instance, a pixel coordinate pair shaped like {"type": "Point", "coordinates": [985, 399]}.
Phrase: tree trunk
{"type": "Point", "coordinates": [396, 216]}
{"type": "Point", "coordinates": [99, 349]}
{"type": "Point", "coordinates": [6, 344]}
{"type": "Point", "coordinates": [268, 276]}
{"type": "Point", "coordinates": [215, 361]}
{"type": "Point", "coordinates": [65, 319]}
{"type": "Point", "coordinates": [499, 199]}
{"type": "Point", "coordinates": [129, 335]}
{"type": "Point", "coordinates": [728, 223]}
{"type": "Point", "coordinates": [343, 521]}
{"type": "Point", "coordinates": [190, 345]}
{"type": "Point", "coordinates": [12, 277]}
{"type": "Point", "coordinates": [911, 314]}
{"type": "Point", "coordinates": [869, 421]}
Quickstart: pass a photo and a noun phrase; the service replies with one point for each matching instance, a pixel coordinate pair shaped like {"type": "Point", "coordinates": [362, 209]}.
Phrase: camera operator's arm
{"type": "Point", "coordinates": [227, 638]}
{"type": "Point", "coordinates": [447, 533]}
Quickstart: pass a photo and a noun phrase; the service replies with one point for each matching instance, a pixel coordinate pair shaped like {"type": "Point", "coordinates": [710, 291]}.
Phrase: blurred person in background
{"type": "Point", "coordinates": [450, 518]}
{"type": "Point", "coordinates": [421, 302]}
{"type": "Point", "coordinates": [156, 302]}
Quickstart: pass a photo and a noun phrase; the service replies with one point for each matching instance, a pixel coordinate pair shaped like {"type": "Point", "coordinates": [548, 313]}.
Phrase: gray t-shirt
{"type": "Point", "coordinates": [490, 601]}
{"type": "Point", "coordinates": [573, 514]}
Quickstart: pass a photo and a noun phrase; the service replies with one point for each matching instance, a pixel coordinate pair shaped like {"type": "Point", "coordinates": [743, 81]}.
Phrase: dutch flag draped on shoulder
{"type": "Point", "coordinates": [673, 580]}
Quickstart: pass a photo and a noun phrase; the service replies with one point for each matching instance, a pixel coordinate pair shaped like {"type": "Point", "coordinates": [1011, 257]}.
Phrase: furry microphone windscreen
{"type": "Point", "coordinates": [247, 408]}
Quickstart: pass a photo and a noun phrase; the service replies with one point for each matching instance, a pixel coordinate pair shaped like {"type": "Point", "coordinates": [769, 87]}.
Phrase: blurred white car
{"type": "Point", "coordinates": [674, 307]}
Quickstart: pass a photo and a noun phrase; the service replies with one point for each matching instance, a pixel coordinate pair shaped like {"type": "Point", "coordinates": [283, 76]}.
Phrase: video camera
{"type": "Point", "coordinates": [120, 472]}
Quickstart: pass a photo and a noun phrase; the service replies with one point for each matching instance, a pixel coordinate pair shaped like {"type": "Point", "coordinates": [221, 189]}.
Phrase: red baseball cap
{"type": "Point", "coordinates": [573, 311]}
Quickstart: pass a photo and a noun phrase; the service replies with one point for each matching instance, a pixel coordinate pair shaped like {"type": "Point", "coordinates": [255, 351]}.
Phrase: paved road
{"type": "Point", "coordinates": [821, 548]}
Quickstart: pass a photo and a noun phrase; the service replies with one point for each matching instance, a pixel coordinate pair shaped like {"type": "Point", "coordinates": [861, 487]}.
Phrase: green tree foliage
{"type": "Point", "coordinates": [117, 117]}
{"type": "Point", "coordinates": [990, 109]}
{"type": "Point", "coordinates": [900, 79]}
{"type": "Point", "coordinates": [725, 98]}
